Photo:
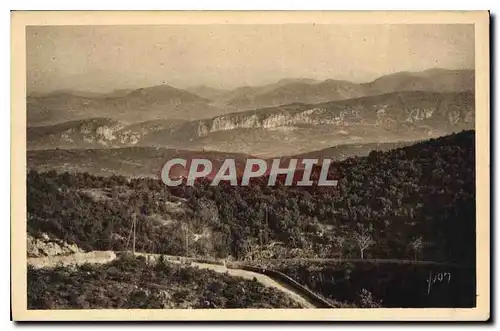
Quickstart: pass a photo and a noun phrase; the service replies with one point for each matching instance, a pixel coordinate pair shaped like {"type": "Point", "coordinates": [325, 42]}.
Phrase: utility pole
{"type": "Point", "coordinates": [261, 227]}
{"type": "Point", "coordinates": [267, 226]}
{"type": "Point", "coordinates": [186, 227]}
{"type": "Point", "coordinates": [134, 217]}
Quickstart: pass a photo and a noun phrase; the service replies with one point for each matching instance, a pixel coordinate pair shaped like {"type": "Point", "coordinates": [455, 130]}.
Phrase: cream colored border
{"type": "Point", "coordinates": [19, 20]}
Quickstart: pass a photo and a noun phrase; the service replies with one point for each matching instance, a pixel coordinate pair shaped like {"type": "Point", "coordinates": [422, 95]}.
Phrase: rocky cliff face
{"type": "Point", "coordinates": [45, 246]}
{"type": "Point", "coordinates": [442, 110]}
{"type": "Point", "coordinates": [94, 133]}
{"type": "Point", "coordinates": [91, 133]}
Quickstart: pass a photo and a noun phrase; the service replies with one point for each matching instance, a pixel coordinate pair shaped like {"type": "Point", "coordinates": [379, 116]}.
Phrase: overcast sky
{"type": "Point", "coordinates": [104, 58]}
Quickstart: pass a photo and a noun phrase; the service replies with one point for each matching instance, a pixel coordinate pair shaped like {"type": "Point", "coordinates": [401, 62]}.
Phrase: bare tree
{"type": "Point", "coordinates": [416, 245]}
{"type": "Point", "coordinates": [132, 233]}
{"type": "Point", "coordinates": [134, 222]}
{"type": "Point", "coordinates": [185, 228]}
{"type": "Point", "coordinates": [340, 243]}
{"type": "Point", "coordinates": [363, 238]}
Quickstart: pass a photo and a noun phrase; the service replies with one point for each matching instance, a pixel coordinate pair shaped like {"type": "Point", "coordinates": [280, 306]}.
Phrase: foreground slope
{"type": "Point", "coordinates": [129, 283]}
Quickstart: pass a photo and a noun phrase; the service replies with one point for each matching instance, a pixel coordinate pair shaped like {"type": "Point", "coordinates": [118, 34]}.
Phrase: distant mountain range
{"type": "Point", "coordinates": [164, 102]}
{"type": "Point", "coordinates": [288, 91]}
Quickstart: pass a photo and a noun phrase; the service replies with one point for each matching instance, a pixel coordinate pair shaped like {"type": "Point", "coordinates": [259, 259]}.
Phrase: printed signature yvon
{"type": "Point", "coordinates": [439, 277]}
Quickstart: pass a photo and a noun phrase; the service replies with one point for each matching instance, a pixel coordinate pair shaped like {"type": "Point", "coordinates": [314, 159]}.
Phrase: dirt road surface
{"type": "Point", "coordinates": [263, 279]}
{"type": "Point", "coordinates": [98, 257]}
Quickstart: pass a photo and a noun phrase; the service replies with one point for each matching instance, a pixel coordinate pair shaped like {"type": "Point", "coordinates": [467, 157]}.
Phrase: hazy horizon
{"type": "Point", "coordinates": [222, 88]}
{"type": "Point", "coordinates": [107, 58]}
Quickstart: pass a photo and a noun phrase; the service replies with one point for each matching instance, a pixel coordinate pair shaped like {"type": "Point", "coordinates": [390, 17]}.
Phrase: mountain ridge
{"type": "Point", "coordinates": [307, 90]}
{"type": "Point", "coordinates": [288, 129]}
{"type": "Point", "coordinates": [167, 102]}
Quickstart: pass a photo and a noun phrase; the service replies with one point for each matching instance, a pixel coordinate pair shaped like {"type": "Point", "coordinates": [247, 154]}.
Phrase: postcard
{"type": "Point", "coordinates": [250, 166]}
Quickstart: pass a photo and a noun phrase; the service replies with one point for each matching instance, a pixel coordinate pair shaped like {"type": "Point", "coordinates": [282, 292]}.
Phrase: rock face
{"type": "Point", "coordinates": [45, 246]}
{"type": "Point", "coordinates": [94, 132]}
{"type": "Point", "coordinates": [440, 110]}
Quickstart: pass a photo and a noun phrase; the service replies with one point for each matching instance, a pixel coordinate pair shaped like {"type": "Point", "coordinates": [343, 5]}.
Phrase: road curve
{"type": "Point", "coordinates": [103, 257]}
{"type": "Point", "coordinates": [263, 279]}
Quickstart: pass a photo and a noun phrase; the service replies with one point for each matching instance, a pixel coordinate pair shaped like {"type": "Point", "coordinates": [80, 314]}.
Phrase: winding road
{"type": "Point", "coordinates": [263, 279]}
{"type": "Point", "coordinates": [102, 257]}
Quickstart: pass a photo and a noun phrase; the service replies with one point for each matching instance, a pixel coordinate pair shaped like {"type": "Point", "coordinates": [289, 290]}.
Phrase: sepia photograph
{"type": "Point", "coordinates": [250, 166]}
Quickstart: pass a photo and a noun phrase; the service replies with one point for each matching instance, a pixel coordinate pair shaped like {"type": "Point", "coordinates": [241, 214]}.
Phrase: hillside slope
{"type": "Point", "coordinates": [283, 130]}
{"type": "Point", "coordinates": [150, 103]}
{"type": "Point", "coordinates": [300, 128]}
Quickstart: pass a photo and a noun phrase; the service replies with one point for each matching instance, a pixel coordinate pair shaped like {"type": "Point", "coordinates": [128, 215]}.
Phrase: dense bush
{"type": "Point", "coordinates": [132, 283]}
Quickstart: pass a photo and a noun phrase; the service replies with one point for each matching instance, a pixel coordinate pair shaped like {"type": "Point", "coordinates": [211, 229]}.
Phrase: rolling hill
{"type": "Point", "coordinates": [432, 80]}
{"type": "Point", "coordinates": [156, 102]}
{"type": "Point", "coordinates": [302, 92]}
